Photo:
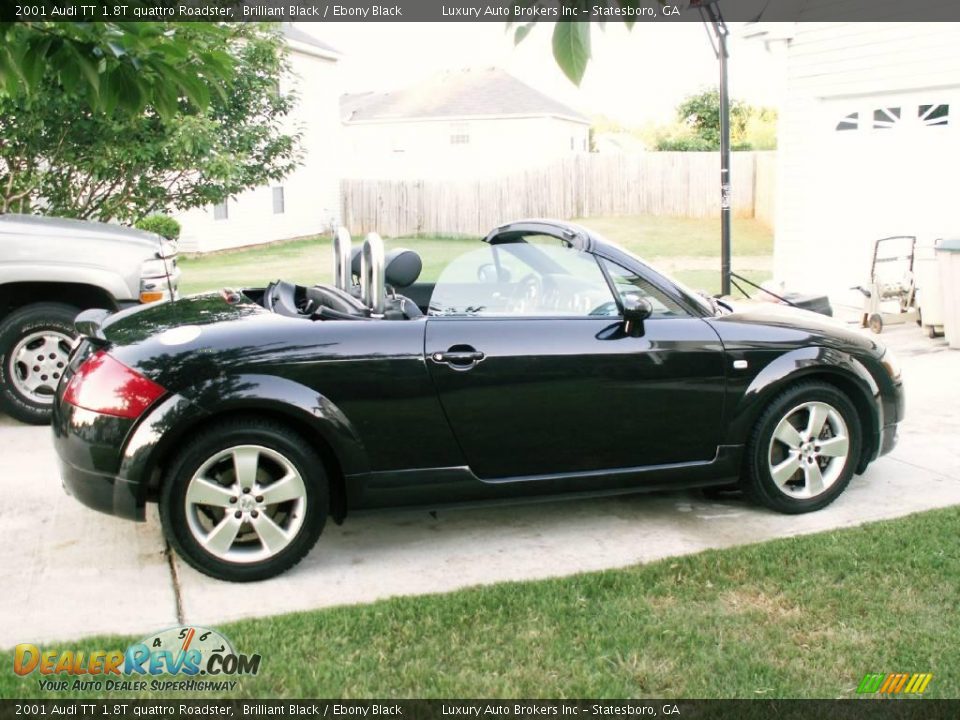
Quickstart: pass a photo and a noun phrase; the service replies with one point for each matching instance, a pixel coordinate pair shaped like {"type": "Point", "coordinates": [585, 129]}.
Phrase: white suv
{"type": "Point", "coordinates": [50, 270]}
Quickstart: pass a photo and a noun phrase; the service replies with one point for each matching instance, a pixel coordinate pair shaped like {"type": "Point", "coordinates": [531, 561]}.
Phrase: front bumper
{"type": "Point", "coordinates": [892, 407]}
{"type": "Point", "coordinates": [888, 439]}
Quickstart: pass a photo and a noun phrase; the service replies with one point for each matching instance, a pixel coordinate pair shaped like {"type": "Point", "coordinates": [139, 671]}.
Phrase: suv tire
{"type": "Point", "coordinates": [34, 348]}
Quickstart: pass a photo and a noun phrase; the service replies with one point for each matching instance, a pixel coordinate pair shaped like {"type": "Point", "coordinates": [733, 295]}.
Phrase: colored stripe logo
{"type": "Point", "coordinates": [894, 683]}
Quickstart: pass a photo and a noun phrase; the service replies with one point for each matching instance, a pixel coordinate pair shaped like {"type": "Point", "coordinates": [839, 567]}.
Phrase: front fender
{"type": "Point", "coordinates": [106, 280]}
{"type": "Point", "coordinates": [177, 416]}
{"type": "Point", "coordinates": [804, 363]}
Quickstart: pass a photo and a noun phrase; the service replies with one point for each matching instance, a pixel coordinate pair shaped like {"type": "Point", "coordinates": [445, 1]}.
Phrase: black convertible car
{"type": "Point", "coordinates": [547, 361]}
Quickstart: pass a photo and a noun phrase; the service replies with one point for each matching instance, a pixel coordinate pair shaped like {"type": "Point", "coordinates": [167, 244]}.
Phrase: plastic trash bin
{"type": "Point", "coordinates": [948, 259]}
{"type": "Point", "coordinates": [929, 294]}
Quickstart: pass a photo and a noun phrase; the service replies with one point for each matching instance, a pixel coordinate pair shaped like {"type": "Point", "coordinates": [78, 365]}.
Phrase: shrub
{"type": "Point", "coordinates": [163, 225]}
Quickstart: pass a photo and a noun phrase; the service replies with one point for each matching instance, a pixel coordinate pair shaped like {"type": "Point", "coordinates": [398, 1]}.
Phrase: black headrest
{"type": "Point", "coordinates": [355, 260]}
{"type": "Point", "coordinates": [402, 267]}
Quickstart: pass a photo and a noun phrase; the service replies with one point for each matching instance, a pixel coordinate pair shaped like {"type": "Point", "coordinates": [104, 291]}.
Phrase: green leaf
{"type": "Point", "coordinates": [571, 48]}
{"type": "Point", "coordinates": [109, 92]}
{"type": "Point", "coordinates": [34, 62]}
{"type": "Point", "coordinates": [90, 70]}
{"type": "Point", "coordinates": [522, 32]}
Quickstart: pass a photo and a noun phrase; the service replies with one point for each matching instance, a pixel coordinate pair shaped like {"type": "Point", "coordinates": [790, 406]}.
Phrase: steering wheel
{"type": "Point", "coordinates": [529, 289]}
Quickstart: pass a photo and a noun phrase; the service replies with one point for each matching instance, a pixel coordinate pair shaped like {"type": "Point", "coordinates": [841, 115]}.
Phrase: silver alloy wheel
{"type": "Point", "coordinates": [245, 504]}
{"type": "Point", "coordinates": [37, 362]}
{"type": "Point", "coordinates": [809, 450]}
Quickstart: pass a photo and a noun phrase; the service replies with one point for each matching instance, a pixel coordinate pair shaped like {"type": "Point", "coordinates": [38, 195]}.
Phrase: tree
{"type": "Point", "coordinates": [571, 39]}
{"type": "Point", "coordinates": [111, 65]}
{"type": "Point", "coordinates": [701, 113]}
{"type": "Point", "coordinates": [61, 157]}
{"type": "Point", "coordinates": [698, 125]}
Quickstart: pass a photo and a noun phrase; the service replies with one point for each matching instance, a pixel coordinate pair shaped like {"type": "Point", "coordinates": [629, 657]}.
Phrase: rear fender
{"type": "Point", "coordinates": [802, 364]}
{"type": "Point", "coordinates": [180, 415]}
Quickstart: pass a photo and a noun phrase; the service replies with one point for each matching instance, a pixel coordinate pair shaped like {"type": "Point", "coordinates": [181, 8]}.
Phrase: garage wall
{"type": "Point", "coordinates": [840, 190]}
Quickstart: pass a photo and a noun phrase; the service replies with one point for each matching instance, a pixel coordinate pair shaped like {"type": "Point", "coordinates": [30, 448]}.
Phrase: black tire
{"type": "Point", "coordinates": [38, 317]}
{"type": "Point", "coordinates": [758, 483]}
{"type": "Point", "coordinates": [228, 434]}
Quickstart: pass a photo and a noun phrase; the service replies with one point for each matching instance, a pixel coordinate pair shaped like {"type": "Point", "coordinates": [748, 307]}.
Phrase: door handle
{"type": "Point", "coordinates": [458, 357]}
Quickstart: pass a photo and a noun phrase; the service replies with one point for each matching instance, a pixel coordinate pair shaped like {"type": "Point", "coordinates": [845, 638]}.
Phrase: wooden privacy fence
{"type": "Point", "coordinates": [683, 184]}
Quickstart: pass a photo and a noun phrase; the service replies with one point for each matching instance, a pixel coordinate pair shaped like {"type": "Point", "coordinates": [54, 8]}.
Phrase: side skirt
{"type": "Point", "coordinates": [435, 487]}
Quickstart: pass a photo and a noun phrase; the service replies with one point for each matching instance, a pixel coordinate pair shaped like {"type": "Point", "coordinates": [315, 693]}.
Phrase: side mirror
{"type": "Point", "coordinates": [635, 310]}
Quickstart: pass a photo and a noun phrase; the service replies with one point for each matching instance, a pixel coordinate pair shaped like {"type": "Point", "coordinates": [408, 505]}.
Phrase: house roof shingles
{"type": "Point", "coordinates": [467, 93]}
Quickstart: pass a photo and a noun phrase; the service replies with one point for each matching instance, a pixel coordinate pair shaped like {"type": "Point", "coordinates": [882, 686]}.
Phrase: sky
{"type": "Point", "coordinates": [634, 77]}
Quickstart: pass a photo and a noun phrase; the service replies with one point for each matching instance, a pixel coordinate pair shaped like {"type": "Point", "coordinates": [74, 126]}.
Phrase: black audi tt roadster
{"type": "Point", "coordinates": [544, 361]}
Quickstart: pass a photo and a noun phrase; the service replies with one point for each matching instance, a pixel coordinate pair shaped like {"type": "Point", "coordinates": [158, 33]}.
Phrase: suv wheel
{"type": "Point", "coordinates": [804, 449]}
{"type": "Point", "coordinates": [245, 501]}
{"type": "Point", "coordinates": [34, 348]}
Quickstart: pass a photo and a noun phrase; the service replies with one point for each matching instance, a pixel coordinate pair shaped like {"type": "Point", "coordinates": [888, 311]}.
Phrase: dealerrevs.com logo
{"type": "Point", "coordinates": [199, 658]}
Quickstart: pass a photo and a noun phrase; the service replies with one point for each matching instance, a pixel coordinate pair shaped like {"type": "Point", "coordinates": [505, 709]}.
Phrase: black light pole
{"type": "Point", "coordinates": [710, 12]}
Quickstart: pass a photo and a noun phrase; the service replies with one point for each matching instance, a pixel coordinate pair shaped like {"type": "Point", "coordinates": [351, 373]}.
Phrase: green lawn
{"type": "Point", "coordinates": [309, 260]}
{"type": "Point", "coordinates": [798, 617]}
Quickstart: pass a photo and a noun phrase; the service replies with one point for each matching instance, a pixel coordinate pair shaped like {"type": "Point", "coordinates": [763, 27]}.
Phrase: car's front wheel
{"type": "Point", "coordinates": [246, 500]}
{"type": "Point", "coordinates": [804, 449]}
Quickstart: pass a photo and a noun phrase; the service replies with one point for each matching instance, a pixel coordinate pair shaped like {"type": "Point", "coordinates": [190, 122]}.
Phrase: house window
{"type": "Point", "coordinates": [459, 134]}
{"type": "Point", "coordinates": [934, 115]}
{"type": "Point", "coordinates": [220, 211]}
{"type": "Point", "coordinates": [886, 118]}
{"type": "Point", "coordinates": [850, 122]}
{"type": "Point", "coordinates": [278, 201]}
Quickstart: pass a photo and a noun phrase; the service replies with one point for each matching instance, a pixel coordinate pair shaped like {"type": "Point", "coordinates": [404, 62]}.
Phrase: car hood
{"type": "Point", "coordinates": [818, 328]}
{"type": "Point", "coordinates": [76, 230]}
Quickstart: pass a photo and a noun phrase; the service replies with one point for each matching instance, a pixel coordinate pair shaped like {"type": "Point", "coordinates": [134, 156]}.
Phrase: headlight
{"type": "Point", "coordinates": [153, 268]}
{"type": "Point", "coordinates": [891, 364]}
{"type": "Point", "coordinates": [168, 249]}
{"type": "Point", "coordinates": [158, 275]}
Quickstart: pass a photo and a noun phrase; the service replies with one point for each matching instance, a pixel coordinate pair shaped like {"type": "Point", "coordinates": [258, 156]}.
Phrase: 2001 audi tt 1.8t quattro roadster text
{"type": "Point", "coordinates": [546, 361]}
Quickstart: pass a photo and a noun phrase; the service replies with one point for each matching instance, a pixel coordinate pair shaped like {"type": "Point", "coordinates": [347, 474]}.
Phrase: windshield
{"type": "Point", "coordinates": [700, 299]}
{"type": "Point", "coordinates": [524, 278]}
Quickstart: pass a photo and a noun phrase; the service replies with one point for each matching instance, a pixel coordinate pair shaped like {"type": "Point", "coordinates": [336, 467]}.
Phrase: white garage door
{"type": "Point", "coordinates": [891, 166]}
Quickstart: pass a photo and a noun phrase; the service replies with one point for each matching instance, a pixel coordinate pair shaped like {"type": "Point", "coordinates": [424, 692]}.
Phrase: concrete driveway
{"type": "Point", "coordinates": [70, 572]}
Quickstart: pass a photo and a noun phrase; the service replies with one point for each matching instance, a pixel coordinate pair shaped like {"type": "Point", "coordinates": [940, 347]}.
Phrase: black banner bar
{"type": "Point", "coordinates": [521, 11]}
{"type": "Point", "coordinates": [92, 709]}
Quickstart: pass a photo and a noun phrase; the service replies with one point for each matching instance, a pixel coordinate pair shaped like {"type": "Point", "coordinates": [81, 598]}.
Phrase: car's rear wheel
{"type": "Point", "coordinates": [34, 347]}
{"type": "Point", "coordinates": [804, 449]}
{"type": "Point", "coordinates": [246, 500]}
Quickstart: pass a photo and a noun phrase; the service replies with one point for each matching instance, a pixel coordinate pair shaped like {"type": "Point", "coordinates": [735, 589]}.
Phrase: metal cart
{"type": "Point", "coordinates": [891, 294]}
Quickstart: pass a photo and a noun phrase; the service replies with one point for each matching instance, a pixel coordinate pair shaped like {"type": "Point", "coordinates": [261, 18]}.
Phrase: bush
{"type": "Point", "coordinates": [163, 225]}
